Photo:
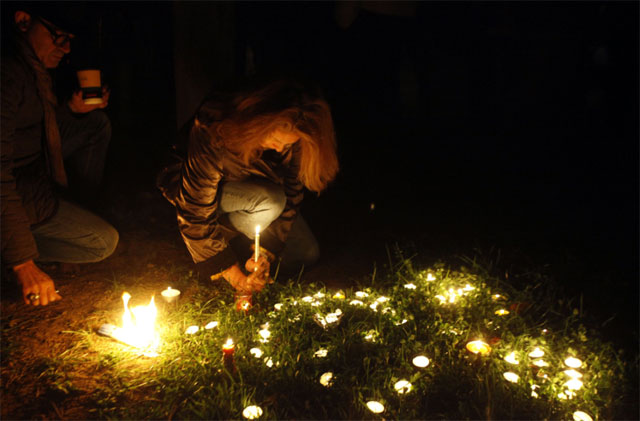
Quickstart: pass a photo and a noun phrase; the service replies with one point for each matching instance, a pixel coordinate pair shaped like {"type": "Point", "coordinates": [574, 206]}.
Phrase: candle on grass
{"type": "Point", "coordinates": [478, 347]}
{"type": "Point", "coordinates": [244, 301]}
{"type": "Point", "coordinates": [170, 295]}
{"type": "Point", "coordinates": [228, 349]}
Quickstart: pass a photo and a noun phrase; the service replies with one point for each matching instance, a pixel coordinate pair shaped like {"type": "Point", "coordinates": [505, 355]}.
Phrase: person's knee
{"type": "Point", "coordinates": [101, 125]}
{"type": "Point", "coordinates": [311, 255]}
{"type": "Point", "coordinates": [109, 237]}
{"type": "Point", "coordinates": [272, 200]}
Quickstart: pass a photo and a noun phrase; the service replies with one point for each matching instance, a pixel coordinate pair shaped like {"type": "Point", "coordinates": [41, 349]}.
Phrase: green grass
{"type": "Point", "coordinates": [188, 379]}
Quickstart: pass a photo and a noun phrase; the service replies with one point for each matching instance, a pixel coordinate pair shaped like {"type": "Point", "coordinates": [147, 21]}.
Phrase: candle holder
{"type": "Point", "coordinates": [244, 301]}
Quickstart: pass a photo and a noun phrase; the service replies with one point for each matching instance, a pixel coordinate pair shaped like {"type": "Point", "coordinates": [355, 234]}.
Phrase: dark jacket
{"type": "Point", "coordinates": [192, 187]}
{"type": "Point", "coordinates": [26, 190]}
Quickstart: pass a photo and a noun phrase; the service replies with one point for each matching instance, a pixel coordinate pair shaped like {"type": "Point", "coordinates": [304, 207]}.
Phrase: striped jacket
{"type": "Point", "coordinates": [192, 186]}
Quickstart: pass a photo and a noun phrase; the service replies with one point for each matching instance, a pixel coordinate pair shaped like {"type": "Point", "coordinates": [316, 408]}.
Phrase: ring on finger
{"type": "Point", "coordinates": [33, 297]}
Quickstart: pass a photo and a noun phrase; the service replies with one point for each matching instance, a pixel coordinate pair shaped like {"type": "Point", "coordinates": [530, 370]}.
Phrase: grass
{"type": "Point", "coordinates": [368, 350]}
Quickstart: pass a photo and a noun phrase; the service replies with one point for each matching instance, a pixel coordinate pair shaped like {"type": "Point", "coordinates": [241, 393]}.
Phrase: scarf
{"type": "Point", "coordinates": [49, 104]}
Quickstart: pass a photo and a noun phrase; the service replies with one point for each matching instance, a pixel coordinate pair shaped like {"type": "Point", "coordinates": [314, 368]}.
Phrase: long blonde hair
{"type": "Point", "coordinates": [247, 118]}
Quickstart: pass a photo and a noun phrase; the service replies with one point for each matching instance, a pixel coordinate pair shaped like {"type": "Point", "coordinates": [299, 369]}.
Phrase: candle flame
{"type": "Point", "coordinates": [479, 347]}
{"type": "Point", "coordinates": [138, 324]}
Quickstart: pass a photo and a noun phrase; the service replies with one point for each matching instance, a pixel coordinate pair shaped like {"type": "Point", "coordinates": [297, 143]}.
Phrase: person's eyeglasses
{"type": "Point", "coordinates": [60, 39]}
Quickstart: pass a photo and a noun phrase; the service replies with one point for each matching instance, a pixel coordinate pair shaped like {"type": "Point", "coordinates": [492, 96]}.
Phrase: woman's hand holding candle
{"type": "Point", "coordinates": [257, 279]}
{"type": "Point", "coordinates": [258, 273]}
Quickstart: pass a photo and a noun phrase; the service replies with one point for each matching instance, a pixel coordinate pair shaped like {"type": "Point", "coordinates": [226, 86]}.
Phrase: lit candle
{"type": "Point", "coordinates": [227, 355]}
{"type": "Point", "coordinates": [228, 348]}
{"type": "Point", "coordinates": [581, 416]}
{"type": "Point", "coordinates": [243, 301]}
{"type": "Point", "coordinates": [510, 376]}
{"type": "Point", "coordinates": [257, 244]}
{"type": "Point", "coordinates": [478, 347]}
{"type": "Point", "coordinates": [375, 407]}
{"type": "Point", "coordinates": [512, 359]}
{"type": "Point", "coordinates": [574, 384]}
{"type": "Point", "coordinates": [211, 325]}
{"type": "Point", "coordinates": [326, 379]}
{"type": "Point", "coordinates": [536, 353]}
{"type": "Point", "coordinates": [421, 361]}
{"type": "Point", "coordinates": [402, 387]}
{"type": "Point", "coordinates": [252, 412]}
{"type": "Point", "coordinates": [170, 295]}
{"type": "Point", "coordinates": [256, 352]}
{"type": "Point", "coordinates": [573, 362]}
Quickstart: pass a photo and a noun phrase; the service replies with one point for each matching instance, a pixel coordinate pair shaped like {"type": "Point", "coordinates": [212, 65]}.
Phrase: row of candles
{"type": "Point", "coordinates": [402, 386]}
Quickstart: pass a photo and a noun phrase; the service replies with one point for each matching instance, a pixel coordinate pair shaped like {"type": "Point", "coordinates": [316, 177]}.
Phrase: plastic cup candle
{"type": "Point", "coordinates": [574, 384]}
{"type": "Point", "coordinates": [326, 379]}
{"type": "Point", "coordinates": [170, 295]}
{"type": "Point", "coordinates": [257, 244]}
{"type": "Point", "coordinates": [581, 416]}
{"type": "Point", "coordinates": [252, 412]}
{"type": "Point", "coordinates": [511, 359]}
{"type": "Point", "coordinates": [573, 362]}
{"type": "Point", "coordinates": [574, 374]}
{"type": "Point", "coordinates": [536, 353]}
{"type": "Point", "coordinates": [244, 301]}
{"type": "Point", "coordinates": [402, 387]}
{"type": "Point", "coordinates": [211, 325]}
{"type": "Point", "coordinates": [375, 407]}
{"type": "Point", "coordinates": [321, 353]}
{"type": "Point", "coordinates": [478, 347]}
{"type": "Point", "coordinates": [421, 361]}
{"type": "Point", "coordinates": [511, 377]}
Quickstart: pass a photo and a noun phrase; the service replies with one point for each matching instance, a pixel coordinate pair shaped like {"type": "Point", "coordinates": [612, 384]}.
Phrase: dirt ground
{"type": "Point", "coordinates": [150, 256]}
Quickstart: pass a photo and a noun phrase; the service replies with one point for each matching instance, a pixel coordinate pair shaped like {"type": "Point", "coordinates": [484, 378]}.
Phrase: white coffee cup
{"type": "Point", "coordinates": [90, 85]}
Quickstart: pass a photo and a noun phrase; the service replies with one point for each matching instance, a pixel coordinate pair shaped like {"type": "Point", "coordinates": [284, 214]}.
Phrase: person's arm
{"type": "Point", "coordinates": [35, 281]}
{"type": "Point", "coordinates": [197, 204]}
{"type": "Point", "coordinates": [18, 244]}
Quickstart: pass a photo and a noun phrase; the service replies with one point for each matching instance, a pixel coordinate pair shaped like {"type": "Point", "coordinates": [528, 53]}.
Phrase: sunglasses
{"type": "Point", "coordinates": [60, 39]}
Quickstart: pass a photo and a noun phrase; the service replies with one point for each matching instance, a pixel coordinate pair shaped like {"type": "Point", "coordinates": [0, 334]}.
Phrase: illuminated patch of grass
{"type": "Point", "coordinates": [433, 312]}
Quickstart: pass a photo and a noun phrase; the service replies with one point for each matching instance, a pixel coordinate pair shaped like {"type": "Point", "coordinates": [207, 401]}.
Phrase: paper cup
{"type": "Point", "coordinates": [90, 85]}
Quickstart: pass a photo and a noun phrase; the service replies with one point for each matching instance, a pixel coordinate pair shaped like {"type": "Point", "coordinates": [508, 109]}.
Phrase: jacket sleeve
{"type": "Point", "coordinates": [18, 244]}
{"type": "Point", "coordinates": [197, 204]}
{"type": "Point", "coordinates": [276, 235]}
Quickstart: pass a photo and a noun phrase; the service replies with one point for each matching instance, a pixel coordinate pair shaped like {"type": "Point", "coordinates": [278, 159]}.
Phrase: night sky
{"type": "Point", "coordinates": [501, 124]}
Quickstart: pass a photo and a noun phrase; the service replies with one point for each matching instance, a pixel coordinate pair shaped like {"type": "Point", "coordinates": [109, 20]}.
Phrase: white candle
{"type": "Point", "coordinates": [170, 294]}
{"type": "Point", "coordinates": [257, 244]}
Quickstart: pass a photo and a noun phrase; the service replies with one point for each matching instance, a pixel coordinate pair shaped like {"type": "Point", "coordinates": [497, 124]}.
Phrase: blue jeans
{"type": "Point", "coordinates": [260, 202]}
{"type": "Point", "coordinates": [74, 235]}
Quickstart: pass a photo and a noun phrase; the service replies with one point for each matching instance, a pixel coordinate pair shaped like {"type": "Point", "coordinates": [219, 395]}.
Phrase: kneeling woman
{"type": "Point", "coordinates": [250, 155]}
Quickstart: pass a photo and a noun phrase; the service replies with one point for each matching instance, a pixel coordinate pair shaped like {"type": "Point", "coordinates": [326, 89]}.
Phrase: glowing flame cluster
{"type": "Point", "coordinates": [138, 325]}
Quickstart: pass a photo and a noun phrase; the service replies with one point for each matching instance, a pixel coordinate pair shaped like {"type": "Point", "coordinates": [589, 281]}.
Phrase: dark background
{"type": "Point", "coordinates": [472, 127]}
